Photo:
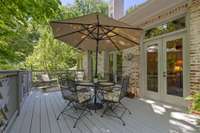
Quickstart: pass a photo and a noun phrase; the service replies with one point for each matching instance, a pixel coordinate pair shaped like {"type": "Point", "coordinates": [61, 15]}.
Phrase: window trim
{"type": "Point", "coordinates": [166, 22]}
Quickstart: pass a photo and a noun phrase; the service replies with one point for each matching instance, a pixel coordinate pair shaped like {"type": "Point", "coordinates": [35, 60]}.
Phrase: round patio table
{"type": "Point", "coordinates": [95, 105]}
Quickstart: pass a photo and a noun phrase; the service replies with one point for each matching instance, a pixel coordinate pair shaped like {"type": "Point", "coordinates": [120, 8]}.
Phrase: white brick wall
{"type": "Point", "coordinates": [194, 22]}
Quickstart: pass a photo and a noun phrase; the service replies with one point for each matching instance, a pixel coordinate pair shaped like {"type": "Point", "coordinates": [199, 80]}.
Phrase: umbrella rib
{"type": "Point", "coordinates": [70, 33]}
{"type": "Point", "coordinates": [89, 31]}
{"type": "Point", "coordinates": [123, 37]}
{"type": "Point", "coordinates": [79, 43]}
{"type": "Point", "coordinates": [110, 39]}
{"type": "Point", "coordinates": [87, 34]}
{"type": "Point", "coordinates": [115, 26]}
{"type": "Point", "coordinates": [105, 33]}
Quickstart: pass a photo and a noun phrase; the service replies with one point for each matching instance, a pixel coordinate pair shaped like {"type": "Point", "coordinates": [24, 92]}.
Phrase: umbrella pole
{"type": "Point", "coordinates": [97, 105]}
{"type": "Point", "coordinates": [96, 76]}
{"type": "Point", "coordinates": [96, 67]}
{"type": "Point", "coordinates": [97, 47]}
{"type": "Point", "coordinates": [97, 51]}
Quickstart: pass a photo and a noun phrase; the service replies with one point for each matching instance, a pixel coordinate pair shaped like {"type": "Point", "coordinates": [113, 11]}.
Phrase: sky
{"type": "Point", "coordinates": [127, 3]}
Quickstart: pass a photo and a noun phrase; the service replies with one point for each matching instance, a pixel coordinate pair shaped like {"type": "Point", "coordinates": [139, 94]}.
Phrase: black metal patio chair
{"type": "Point", "coordinates": [77, 99]}
{"type": "Point", "coordinates": [112, 98]}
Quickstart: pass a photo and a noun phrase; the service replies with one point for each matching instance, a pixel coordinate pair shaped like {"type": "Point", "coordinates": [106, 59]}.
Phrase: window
{"type": "Point", "coordinates": [152, 68]}
{"type": "Point", "coordinates": [166, 28]}
{"type": "Point", "coordinates": [175, 67]}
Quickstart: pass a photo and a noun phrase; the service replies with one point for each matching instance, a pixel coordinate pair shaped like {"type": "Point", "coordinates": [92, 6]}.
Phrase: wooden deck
{"type": "Point", "coordinates": [40, 110]}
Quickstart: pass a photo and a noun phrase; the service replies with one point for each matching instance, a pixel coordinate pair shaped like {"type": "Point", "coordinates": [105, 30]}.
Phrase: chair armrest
{"type": "Point", "coordinates": [116, 87]}
{"type": "Point", "coordinates": [83, 90]}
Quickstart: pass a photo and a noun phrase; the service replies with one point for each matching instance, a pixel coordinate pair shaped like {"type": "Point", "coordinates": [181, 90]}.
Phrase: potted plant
{"type": "Point", "coordinates": [195, 103]}
{"type": "Point", "coordinates": [194, 106]}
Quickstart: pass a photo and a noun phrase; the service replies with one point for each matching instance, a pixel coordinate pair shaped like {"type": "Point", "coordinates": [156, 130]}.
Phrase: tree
{"type": "Point", "coordinates": [26, 39]}
{"type": "Point", "coordinates": [18, 28]}
{"type": "Point", "coordinates": [51, 54]}
{"type": "Point", "coordinates": [131, 9]}
{"type": "Point", "coordinates": [90, 6]}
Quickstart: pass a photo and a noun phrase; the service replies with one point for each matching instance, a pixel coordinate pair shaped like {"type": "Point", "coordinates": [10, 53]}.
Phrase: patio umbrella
{"type": "Point", "coordinates": [96, 32]}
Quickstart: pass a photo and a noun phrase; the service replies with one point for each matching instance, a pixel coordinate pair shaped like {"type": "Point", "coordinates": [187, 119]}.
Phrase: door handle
{"type": "Point", "coordinates": [164, 74]}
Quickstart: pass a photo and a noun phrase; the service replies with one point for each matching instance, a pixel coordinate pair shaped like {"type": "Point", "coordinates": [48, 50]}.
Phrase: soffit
{"type": "Point", "coordinates": [149, 9]}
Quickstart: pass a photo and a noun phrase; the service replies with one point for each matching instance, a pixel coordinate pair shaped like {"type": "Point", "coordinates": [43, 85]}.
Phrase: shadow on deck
{"type": "Point", "coordinates": [40, 110]}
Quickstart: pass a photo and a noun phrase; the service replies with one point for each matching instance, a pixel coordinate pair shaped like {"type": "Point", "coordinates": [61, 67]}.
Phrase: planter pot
{"type": "Point", "coordinates": [196, 113]}
{"type": "Point", "coordinates": [130, 95]}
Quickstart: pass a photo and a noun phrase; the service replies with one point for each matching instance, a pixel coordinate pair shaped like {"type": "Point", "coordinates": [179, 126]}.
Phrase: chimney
{"type": "Point", "coordinates": [116, 9]}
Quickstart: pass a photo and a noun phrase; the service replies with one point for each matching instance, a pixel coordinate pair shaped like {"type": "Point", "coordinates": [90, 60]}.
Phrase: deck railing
{"type": "Point", "coordinates": [14, 88]}
{"type": "Point", "coordinates": [52, 75]}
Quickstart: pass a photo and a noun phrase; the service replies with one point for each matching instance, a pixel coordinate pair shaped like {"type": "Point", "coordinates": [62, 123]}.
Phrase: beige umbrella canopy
{"type": "Point", "coordinates": [96, 32]}
{"type": "Point", "coordinates": [83, 33]}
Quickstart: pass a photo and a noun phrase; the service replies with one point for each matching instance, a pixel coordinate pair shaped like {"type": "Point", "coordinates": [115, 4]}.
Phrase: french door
{"type": "Point", "coordinates": [165, 69]}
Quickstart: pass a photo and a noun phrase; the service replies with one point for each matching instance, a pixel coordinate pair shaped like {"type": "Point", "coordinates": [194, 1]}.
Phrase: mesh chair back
{"type": "Point", "coordinates": [124, 88]}
{"type": "Point", "coordinates": [72, 85]}
{"type": "Point", "coordinates": [62, 79]}
{"type": "Point", "coordinates": [68, 88]}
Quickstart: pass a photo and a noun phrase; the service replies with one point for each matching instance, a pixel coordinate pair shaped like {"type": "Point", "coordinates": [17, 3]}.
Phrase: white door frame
{"type": "Point", "coordinates": [167, 98]}
{"type": "Point", "coordinates": [170, 98]}
{"type": "Point", "coordinates": [151, 94]}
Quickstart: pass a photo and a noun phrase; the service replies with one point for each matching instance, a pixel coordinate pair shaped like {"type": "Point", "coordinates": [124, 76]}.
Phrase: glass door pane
{"type": "Point", "coordinates": [174, 66]}
{"type": "Point", "coordinates": [152, 68]}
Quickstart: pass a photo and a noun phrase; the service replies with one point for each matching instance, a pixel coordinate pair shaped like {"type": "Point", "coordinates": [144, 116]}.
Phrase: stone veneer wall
{"type": "Point", "coordinates": [131, 67]}
{"type": "Point", "coordinates": [194, 36]}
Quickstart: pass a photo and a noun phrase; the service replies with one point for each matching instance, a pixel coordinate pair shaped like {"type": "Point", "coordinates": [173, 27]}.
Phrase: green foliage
{"type": "Point", "coordinates": [90, 6]}
{"type": "Point", "coordinates": [131, 9]}
{"type": "Point", "coordinates": [195, 98]}
{"type": "Point", "coordinates": [26, 40]}
{"type": "Point", "coordinates": [84, 7]}
{"type": "Point", "coordinates": [18, 28]}
{"type": "Point", "coordinates": [166, 28]}
{"type": "Point", "coordinates": [51, 54]}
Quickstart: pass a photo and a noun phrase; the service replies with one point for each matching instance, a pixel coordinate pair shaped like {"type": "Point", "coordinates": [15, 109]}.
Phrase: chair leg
{"type": "Point", "coordinates": [63, 110]}
{"type": "Point", "coordinates": [126, 108]}
{"type": "Point", "coordinates": [110, 107]}
{"type": "Point", "coordinates": [89, 111]}
{"type": "Point", "coordinates": [79, 117]}
{"type": "Point", "coordinates": [120, 118]}
{"type": "Point", "coordinates": [105, 110]}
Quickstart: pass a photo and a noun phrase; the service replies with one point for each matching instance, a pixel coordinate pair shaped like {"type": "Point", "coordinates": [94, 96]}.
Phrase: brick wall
{"type": "Point", "coordinates": [194, 35]}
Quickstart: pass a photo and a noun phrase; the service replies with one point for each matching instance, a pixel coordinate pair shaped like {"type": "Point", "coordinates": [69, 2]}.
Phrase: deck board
{"type": "Point", "coordinates": [40, 110]}
{"type": "Point", "coordinates": [36, 125]}
{"type": "Point", "coordinates": [69, 121]}
{"type": "Point", "coordinates": [28, 118]}
{"type": "Point", "coordinates": [17, 125]}
{"type": "Point", "coordinates": [61, 122]}
{"type": "Point", "coordinates": [45, 124]}
{"type": "Point", "coordinates": [55, 127]}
